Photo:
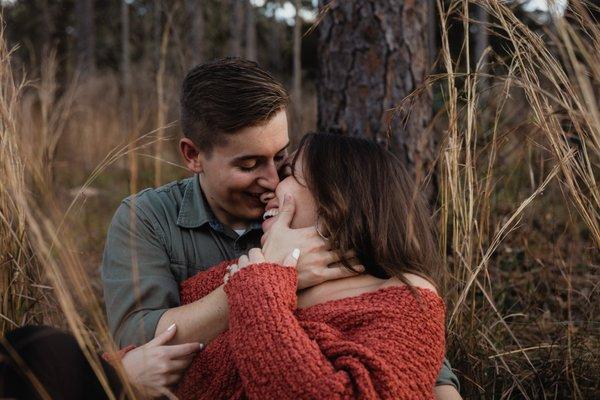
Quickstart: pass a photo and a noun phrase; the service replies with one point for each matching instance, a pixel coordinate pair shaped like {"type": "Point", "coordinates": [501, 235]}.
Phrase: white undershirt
{"type": "Point", "coordinates": [240, 232]}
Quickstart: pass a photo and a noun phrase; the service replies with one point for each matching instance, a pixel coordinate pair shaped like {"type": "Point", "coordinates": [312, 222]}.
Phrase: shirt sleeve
{"type": "Point", "coordinates": [447, 377]}
{"type": "Point", "coordinates": [138, 283]}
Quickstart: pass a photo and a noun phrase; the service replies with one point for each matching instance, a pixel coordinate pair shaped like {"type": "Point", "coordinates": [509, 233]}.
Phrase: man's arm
{"type": "Point", "coordinates": [140, 290]}
{"type": "Point", "coordinates": [447, 384]}
{"type": "Point", "coordinates": [446, 392]}
{"type": "Point", "coordinates": [142, 295]}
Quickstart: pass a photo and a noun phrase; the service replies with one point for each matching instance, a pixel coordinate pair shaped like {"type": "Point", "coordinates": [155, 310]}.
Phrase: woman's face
{"type": "Point", "coordinates": [293, 184]}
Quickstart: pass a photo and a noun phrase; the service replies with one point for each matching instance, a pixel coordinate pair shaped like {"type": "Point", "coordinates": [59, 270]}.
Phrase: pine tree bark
{"type": "Point", "coordinates": [372, 54]}
{"type": "Point", "coordinates": [85, 35]}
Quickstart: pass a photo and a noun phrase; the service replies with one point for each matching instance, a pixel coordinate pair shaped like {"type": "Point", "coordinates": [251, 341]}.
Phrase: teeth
{"type": "Point", "coordinates": [270, 213]}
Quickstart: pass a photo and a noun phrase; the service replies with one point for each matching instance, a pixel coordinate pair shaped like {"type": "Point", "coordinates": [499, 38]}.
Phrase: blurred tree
{"type": "Point", "coordinates": [85, 35]}
{"type": "Point", "coordinates": [197, 46]}
{"type": "Point", "coordinates": [236, 25]}
{"type": "Point", "coordinates": [156, 30]}
{"type": "Point", "coordinates": [125, 64]}
{"type": "Point", "coordinates": [47, 26]}
{"type": "Point", "coordinates": [251, 50]}
{"type": "Point", "coordinates": [297, 71]}
{"type": "Point", "coordinates": [372, 54]}
{"type": "Point", "coordinates": [276, 34]}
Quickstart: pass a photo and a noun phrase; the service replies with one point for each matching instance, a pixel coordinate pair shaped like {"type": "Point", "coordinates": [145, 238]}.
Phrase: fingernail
{"type": "Point", "coordinates": [201, 345]}
{"type": "Point", "coordinates": [170, 328]}
{"type": "Point", "coordinates": [296, 254]}
{"type": "Point", "coordinates": [360, 268]}
{"type": "Point", "coordinates": [287, 197]}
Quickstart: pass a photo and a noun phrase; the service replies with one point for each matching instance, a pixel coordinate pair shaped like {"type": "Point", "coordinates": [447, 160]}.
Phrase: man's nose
{"type": "Point", "coordinates": [266, 197]}
{"type": "Point", "coordinates": [270, 178]}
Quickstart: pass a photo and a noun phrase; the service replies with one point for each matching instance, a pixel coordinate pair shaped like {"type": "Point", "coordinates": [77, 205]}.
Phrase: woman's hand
{"type": "Point", "coordinates": [155, 366]}
{"type": "Point", "coordinates": [256, 256]}
{"type": "Point", "coordinates": [318, 263]}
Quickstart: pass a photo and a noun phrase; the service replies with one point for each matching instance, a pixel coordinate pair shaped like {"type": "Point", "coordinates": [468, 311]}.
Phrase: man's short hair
{"type": "Point", "coordinates": [225, 95]}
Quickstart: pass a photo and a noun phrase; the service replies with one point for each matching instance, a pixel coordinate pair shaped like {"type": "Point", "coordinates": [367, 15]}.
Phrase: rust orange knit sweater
{"type": "Point", "coordinates": [386, 344]}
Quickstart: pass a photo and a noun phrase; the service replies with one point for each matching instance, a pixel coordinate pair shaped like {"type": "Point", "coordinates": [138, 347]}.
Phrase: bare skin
{"type": "Point", "coordinates": [238, 178]}
{"type": "Point", "coordinates": [279, 251]}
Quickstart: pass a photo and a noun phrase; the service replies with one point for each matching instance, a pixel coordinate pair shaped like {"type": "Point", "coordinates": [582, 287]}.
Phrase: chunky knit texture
{"type": "Point", "coordinates": [385, 344]}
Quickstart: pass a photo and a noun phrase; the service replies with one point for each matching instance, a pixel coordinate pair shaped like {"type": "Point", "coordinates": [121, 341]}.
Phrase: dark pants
{"type": "Point", "coordinates": [56, 360]}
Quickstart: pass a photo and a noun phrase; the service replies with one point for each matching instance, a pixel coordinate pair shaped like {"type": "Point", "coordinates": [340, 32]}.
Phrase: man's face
{"type": "Point", "coordinates": [237, 173]}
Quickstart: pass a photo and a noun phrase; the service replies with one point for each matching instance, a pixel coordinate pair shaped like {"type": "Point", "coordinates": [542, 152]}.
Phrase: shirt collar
{"type": "Point", "coordinates": [195, 211]}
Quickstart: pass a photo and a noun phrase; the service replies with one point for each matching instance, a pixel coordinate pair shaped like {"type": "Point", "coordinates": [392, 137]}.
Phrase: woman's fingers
{"type": "Point", "coordinates": [243, 261]}
{"type": "Point", "coordinates": [287, 208]}
{"type": "Point", "coordinates": [339, 271]}
{"type": "Point", "coordinates": [182, 350]}
{"type": "Point", "coordinates": [292, 259]}
{"type": "Point", "coordinates": [164, 337]}
{"type": "Point", "coordinates": [256, 256]}
{"type": "Point", "coordinates": [180, 364]}
{"type": "Point", "coordinates": [166, 392]}
{"type": "Point", "coordinates": [233, 269]}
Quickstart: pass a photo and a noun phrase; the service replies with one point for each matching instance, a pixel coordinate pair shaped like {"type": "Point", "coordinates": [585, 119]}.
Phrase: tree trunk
{"type": "Point", "coordinates": [47, 28]}
{"type": "Point", "coordinates": [156, 31]}
{"type": "Point", "coordinates": [275, 46]}
{"type": "Point", "coordinates": [372, 54]}
{"type": "Point", "coordinates": [197, 46]}
{"type": "Point", "coordinates": [297, 72]}
{"type": "Point", "coordinates": [236, 24]}
{"type": "Point", "coordinates": [85, 36]}
{"type": "Point", "coordinates": [251, 53]}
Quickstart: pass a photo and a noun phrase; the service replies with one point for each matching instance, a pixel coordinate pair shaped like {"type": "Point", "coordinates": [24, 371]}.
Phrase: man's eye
{"type": "Point", "coordinates": [248, 166]}
{"type": "Point", "coordinates": [285, 171]}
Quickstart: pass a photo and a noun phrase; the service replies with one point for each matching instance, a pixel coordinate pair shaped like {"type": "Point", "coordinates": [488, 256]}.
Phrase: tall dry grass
{"type": "Point", "coordinates": [44, 278]}
{"type": "Point", "coordinates": [519, 201]}
{"type": "Point", "coordinates": [496, 345]}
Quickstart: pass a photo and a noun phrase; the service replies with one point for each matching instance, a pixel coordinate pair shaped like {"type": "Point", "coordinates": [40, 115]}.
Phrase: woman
{"type": "Point", "coordinates": [375, 335]}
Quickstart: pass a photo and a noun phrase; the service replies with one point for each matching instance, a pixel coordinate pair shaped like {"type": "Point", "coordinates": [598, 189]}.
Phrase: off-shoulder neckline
{"type": "Point", "coordinates": [401, 289]}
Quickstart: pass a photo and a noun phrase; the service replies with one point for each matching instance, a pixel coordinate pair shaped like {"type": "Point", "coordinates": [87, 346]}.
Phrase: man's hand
{"type": "Point", "coordinates": [154, 367]}
{"type": "Point", "coordinates": [317, 263]}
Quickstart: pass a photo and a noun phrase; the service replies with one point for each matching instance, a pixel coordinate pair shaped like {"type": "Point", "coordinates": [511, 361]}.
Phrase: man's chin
{"type": "Point", "coordinates": [253, 214]}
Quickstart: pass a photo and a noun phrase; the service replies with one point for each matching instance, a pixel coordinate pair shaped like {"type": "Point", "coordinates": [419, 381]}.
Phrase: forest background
{"type": "Point", "coordinates": [491, 104]}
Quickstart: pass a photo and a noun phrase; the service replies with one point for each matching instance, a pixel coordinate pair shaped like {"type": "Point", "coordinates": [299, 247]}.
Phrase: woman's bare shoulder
{"type": "Point", "coordinates": [413, 279]}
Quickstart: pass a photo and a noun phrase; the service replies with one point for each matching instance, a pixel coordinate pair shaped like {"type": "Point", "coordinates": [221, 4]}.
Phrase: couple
{"type": "Point", "coordinates": [333, 296]}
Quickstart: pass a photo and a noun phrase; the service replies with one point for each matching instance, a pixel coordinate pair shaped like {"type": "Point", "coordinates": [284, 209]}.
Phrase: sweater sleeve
{"type": "Point", "coordinates": [390, 354]}
{"type": "Point", "coordinates": [201, 284]}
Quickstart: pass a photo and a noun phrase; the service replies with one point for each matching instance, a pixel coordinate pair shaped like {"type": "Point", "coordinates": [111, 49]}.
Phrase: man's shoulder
{"type": "Point", "coordinates": [170, 194]}
{"type": "Point", "coordinates": [161, 204]}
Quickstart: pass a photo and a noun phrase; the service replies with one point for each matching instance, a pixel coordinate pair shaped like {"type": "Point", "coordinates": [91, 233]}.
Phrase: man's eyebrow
{"type": "Point", "coordinates": [252, 156]}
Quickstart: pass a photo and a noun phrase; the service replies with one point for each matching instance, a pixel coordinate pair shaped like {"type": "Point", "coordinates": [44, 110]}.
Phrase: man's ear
{"type": "Point", "coordinates": [192, 156]}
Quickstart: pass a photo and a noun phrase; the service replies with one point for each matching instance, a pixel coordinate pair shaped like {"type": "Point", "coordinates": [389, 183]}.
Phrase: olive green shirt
{"type": "Point", "coordinates": [157, 239]}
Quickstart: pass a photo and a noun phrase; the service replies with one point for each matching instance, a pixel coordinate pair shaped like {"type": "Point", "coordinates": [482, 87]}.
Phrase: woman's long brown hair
{"type": "Point", "coordinates": [367, 202]}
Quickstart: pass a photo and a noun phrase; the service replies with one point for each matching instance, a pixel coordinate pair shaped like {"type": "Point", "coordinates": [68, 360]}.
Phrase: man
{"type": "Point", "coordinates": [233, 117]}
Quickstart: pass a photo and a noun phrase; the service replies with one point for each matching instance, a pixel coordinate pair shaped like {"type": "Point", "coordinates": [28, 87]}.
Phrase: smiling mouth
{"type": "Point", "coordinates": [273, 212]}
